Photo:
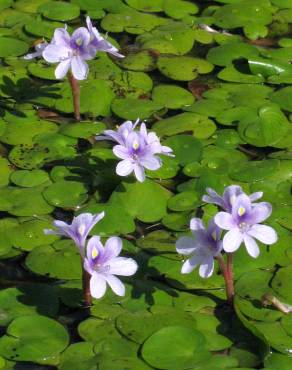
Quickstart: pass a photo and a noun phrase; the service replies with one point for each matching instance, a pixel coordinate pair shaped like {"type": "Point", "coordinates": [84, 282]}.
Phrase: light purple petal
{"type": "Point", "coordinates": [185, 245]}
{"type": "Point", "coordinates": [62, 69]}
{"type": "Point", "coordinates": [230, 194]}
{"type": "Point", "coordinates": [190, 264]}
{"type": "Point", "coordinates": [263, 233]}
{"type": "Point", "coordinates": [61, 37]}
{"type": "Point", "coordinates": [124, 167]}
{"type": "Point", "coordinates": [81, 37]}
{"type": "Point", "coordinates": [55, 54]}
{"type": "Point", "coordinates": [139, 172]}
{"type": "Point", "coordinates": [241, 207]}
{"type": "Point", "coordinates": [151, 162]}
{"type": "Point", "coordinates": [79, 68]}
{"type": "Point", "coordinates": [225, 221]}
{"type": "Point", "coordinates": [260, 212]}
{"type": "Point", "coordinates": [251, 246]}
{"type": "Point", "coordinates": [94, 248]}
{"type": "Point", "coordinates": [116, 285]}
{"type": "Point", "coordinates": [207, 267]}
{"type": "Point", "coordinates": [122, 266]}
{"type": "Point", "coordinates": [255, 196]}
{"type": "Point", "coordinates": [232, 240]}
{"type": "Point", "coordinates": [97, 285]}
{"type": "Point", "coordinates": [51, 232]}
{"type": "Point", "coordinates": [121, 151]}
{"type": "Point", "coordinates": [113, 247]}
{"type": "Point", "coordinates": [196, 224]}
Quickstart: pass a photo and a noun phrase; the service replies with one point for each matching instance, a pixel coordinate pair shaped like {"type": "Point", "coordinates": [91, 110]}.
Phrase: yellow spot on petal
{"type": "Point", "coordinates": [135, 145]}
{"type": "Point", "coordinates": [94, 253]}
{"type": "Point", "coordinates": [81, 229]}
{"type": "Point", "coordinates": [79, 41]}
{"type": "Point", "coordinates": [241, 211]}
{"type": "Point", "coordinates": [214, 236]}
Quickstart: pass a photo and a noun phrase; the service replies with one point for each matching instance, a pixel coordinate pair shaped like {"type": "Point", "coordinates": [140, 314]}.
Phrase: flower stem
{"type": "Point", "coordinates": [228, 276]}
{"type": "Point", "coordinates": [86, 287]}
{"type": "Point", "coordinates": [76, 95]}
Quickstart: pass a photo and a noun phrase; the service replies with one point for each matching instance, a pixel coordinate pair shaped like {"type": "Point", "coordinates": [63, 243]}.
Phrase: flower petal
{"type": "Point", "coordinates": [151, 162]}
{"type": "Point", "coordinates": [113, 247]}
{"type": "Point", "coordinates": [196, 224]}
{"type": "Point", "coordinates": [116, 285]}
{"type": "Point", "coordinates": [79, 68]}
{"type": "Point", "coordinates": [124, 167]}
{"type": "Point", "coordinates": [185, 245]}
{"type": "Point", "coordinates": [251, 246]}
{"type": "Point", "coordinates": [62, 69]}
{"type": "Point", "coordinates": [225, 221]}
{"type": "Point", "coordinates": [121, 151]}
{"type": "Point", "coordinates": [139, 172]}
{"type": "Point", "coordinates": [94, 243]}
{"type": "Point", "coordinates": [207, 267]}
{"type": "Point", "coordinates": [265, 234]}
{"type": "Point", "coordinates": [122, 266]}
{"type": "Point", "coordinates": [190, 264]}
{"type": "Point", "coordinates": [232, 240]}
{"type": "Point", "coordinates": [54, 54]}
{"type": "Point", "coordinates": [97, 285]}
{"type": "Point", "coordinates": [241, 207]}
{"type": "Point", "coordinates": [255, 196]}
{"type": "Point", "coordinates": [61, 37]}
{"type": "Point", "coordinates": [260, 212]}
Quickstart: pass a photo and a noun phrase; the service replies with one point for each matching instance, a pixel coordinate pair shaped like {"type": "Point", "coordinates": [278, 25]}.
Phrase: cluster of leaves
{"type": "Point", "coordinates": [215, 99]}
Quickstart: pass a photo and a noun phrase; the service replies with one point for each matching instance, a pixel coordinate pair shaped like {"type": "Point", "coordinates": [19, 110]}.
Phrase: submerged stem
{"type": "Point", "coordinates": [75, 94]}
{"type": "Point", "coordinates": [228, 276]}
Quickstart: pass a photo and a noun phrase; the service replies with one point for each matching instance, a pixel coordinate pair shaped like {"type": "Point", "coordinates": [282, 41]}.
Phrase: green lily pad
{"type": "Point", "coordinates": [168, 169]}
{"type": "Point", "coordinates": [6, 227]}
{"type": "Point", "coordinates": [5, 171]}
{"type": "Point", "coordinates": [79, 356]}
{"type": "Point", "coordinates": [146, 5]}
{"type": "Point", "coordinates": [201, 126]}
{"type": "Point", "coordinates": [278, 361]}
{"type": "Point", "coordinates": [43, 70]}
{"type": "Point", "coordinates": [184, 201]}
{"type": "Point", "coordinates": [122, 363]}
{"type": "Point", "coordinates": [255, 170]}
{"type": "Point", "coordinates": [185, 148]}
{"type": "Point", "coordinates": [175, 346]}
{"type": "Point", "coordinates": [42, 28]}
{"type": "Point", "coordinates": [158, 242]}
{"type": "Point", "coordinates": [30, 234]}
{"type": "Point", "coordinates": [179, 9]}
{"type": "Point", "coordinates": [140, 61]}
{"type": "Point", "coordinates": [27, 300]}
{"type": "Point", "coordinates": [28, 179]}
{"type": "Point", "coordinates": [10, 47]}
{"type": "Point", "coordinates": [147, 201]}
{"type": "Point", "coordinates": [172, 96]}
{"type": "Point", "coordinates": [130, 108]}
{"type": "Point", "coordinates": [24, 201]}
{"type": "Point", "coordinates": [60, 260]}
{"type": "Point", "coordinates": [281, 285]}
{"type": "Point", "coordinates": [183, 68]}
{"type": "Point", "coordinates": [95, 330]}
{"type": "Point", "coordinates": [34, 338]}
{"type": "Point", "coordinates": [66, 194]}
{"type": "Point", "coordinates": [59, 11]}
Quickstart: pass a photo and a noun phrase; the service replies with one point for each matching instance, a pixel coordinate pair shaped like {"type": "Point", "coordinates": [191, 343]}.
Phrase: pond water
{"type": "Point", "coordinates": [212, 79]}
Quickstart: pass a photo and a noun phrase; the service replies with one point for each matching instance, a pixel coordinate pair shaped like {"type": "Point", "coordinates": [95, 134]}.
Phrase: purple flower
{"type": "Point", "coordinates": [39, 48]}
{"type": "Point", "coordinates": [79, 228]}
{"type": "Point", "coordinates": [229, 196]}
{"type": "Point", "coordinates": [202, 247]}
{"type": "Point", "coordinates": [243, 225]}
{"type": "Point", "coordinates": [103, 263]}
{"type": "Point", "coordinates": [121, 134]}
{"type": "Point", "coordinates": [70, 52]}
{"type": "Point", "coordinates": [99, 43]}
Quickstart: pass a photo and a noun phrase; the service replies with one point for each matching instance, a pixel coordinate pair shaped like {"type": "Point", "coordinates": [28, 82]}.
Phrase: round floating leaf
{"type": "Point", "coordinates": [59, 11]}
{"type": "Point", "coordinates": [278, 361]}
{"type": "Point", "coordinates": [29, 179]}
{"type": "Point", "coordinates": [6, 227]}
{"type": "Point", "coordinates": [172, 96]}
{"type": "Point", "coordinates": [281, 285]}
{"type": "Point", "coordinates": [78, 356]}
{"type": "Point", "coordinates": [199, 125]}
{"type": "Point", "coordinates": [140, 325]}
{"type": "Point", "coordinates": [10, 47]}
{"type": "Point", "coordinates": [66, 194]}
{"type": "Point", "coordinates": [59, 261]}
{"type": "Point", "coordinates": [176, 221]}
{"type": "Point", "coordinates": [130, 108]}
{"type": "Point", "coordinates": [276, 336]}
{"type": "Point", "coordinates": [146, 5]}
{"type": "Point", "coordinates": [140, 61]}
{"type": "Point", "coordinates": [24, 202]}
{"type": "Point", "coordinates": [147, 200]}
{"type": "Point", "coordinates": [43, 70]}
{"type": "Point", "coordinates": [179, 9]}
{"type": "Point", "coordinates": [158, 242]}
{"type": "Point", "coordinates": [30, 234]}
{"type": "Point", "coordinates": [168, 169]}
{"type": "Point", "coordinates": [183, 68]}
{"type": "Point", "coordinates": [184, 201]}
{"type": "Point", "coordinates": [34, 338]}
{"type": "Point", "coordinates": [27, 300]}
{"type": "Point", "coordinates": [95, 330]}
{"type": "Point", "coordinates": [175, 347]}
{"type": "Point", "coordinates": [5, 171]}
{"type": "Point", "coordinates": [42, 28]}
{"type": "Point", "coordinates": [122, 363]}
{"type": "Point", "coordinates": [255, 170]}
{"type": "Point", "coordinates": [82, 130]}
{"type": "Point", "coordinates": [186, 148]}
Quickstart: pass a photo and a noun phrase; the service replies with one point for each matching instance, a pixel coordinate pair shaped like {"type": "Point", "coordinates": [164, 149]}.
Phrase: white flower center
{"type": "Point", "coordinates": [243, 226]}
{"type": "Point", "coordinates": [232, 199]}
{"type": "Point", "coordinates": [241, 211]}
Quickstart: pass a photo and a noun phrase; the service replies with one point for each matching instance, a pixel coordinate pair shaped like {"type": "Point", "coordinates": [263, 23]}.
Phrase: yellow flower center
{"type": "Point", "coordinates": [94, 253]}
{"type": "Point", "coordinates": [81, 229]}
{"type": "Point", "coordinates": [135, 145]}
{"type": "Point", "coordinates": [79, 41]}
{"type": "Point", "coordinates": [241, 211]}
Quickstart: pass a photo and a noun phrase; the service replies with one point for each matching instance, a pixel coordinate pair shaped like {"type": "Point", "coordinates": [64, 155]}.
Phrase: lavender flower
{"type": "Point", "coordinates": [229, 196]}
{"type": "Point", "coordinates": [243, 225]}
{"type": "Point", "coordinates": [121, 134]}
{"type": "Point", "coordinates": [103, 263]}
{"type": "Point", "coordinates": [70, 52]}
{"type": "Point", "coordinates": [79, 228]}
{"type": "Point", "coordinates": [39, 48]}
{"type": "Point", "coordinates": [202, 247]}
{"type": "Point", "coordinates": [98, 43]}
